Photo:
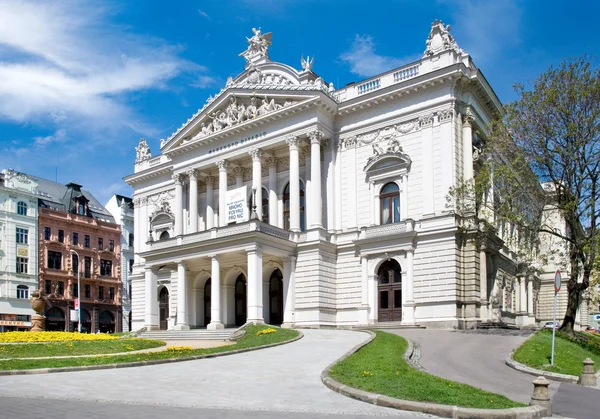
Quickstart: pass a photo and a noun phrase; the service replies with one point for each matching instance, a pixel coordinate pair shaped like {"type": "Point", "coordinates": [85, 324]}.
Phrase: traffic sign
{"type": "Point", "coordinates": [557, 281]}
{"type": "Point", "coordinates": [76, 301]}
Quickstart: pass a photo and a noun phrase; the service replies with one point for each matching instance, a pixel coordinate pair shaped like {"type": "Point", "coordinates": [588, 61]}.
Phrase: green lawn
{"type": "Point", "coordinates": [379, 367]}
{"type": "Point", "coordinates": [568, 355]}
{"type": "Point", "coordinates": [34, 350]}
{"type": "Point", "coordinates": [250, 340]}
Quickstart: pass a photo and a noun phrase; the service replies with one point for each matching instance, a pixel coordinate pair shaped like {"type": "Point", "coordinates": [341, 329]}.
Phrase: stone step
{"type": "Point", "coordinates": [496, 325]}
{"type": "Point", "coordinates": [223, 334]}
{"type": "Point", "coordinates": [388, 325]}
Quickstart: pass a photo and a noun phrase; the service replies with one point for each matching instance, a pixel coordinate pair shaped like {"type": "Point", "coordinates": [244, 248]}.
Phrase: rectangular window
{"type": "Point", "coordinates": [86, 241]}
{"type": "Point", "coordinates": [75, 264]}
{"type": "Point", "coordinates": [87, 266]}
{"type": "Point", "coordinates": [101, 292]}
{"type": "Point", "coordinates": [87, 291]}
{"type": "Point", "coordinates": [54, 260]}
{"type": "Point", "coordinates": [130, 266]}
{"type": "Point", "coordinates": [105, 267]}
{"type": "Point", "coordinates": [22, 265]}
{"type": "Point", "coordinates": [111, 245]}
{"type": "Point", "coordinates": [48, 287]}
{"type": "Point", "coordinates": [75, 239]}
{"type": "Point", "coordinates": [60, 289]}
{"type": "Point", "coordinates": [100, 243]}
{"type": "Point", "coordinates": [22, 235]}
{"type": "Point", "coordinates": [61, 236]}
{"type": "Point", "coordinates": [47, 233]}
{"type": "Point", "coordinates": [22, 291]}
{"type": "Point", "coordinates": [75, 291]}
{"type": "Point", "coordinates": [111, 293]}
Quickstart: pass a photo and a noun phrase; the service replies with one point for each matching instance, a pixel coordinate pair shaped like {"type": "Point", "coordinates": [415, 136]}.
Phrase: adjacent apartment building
{"type": "Point", "coordinates": [121, 208]}
{"type": "Point", "coordinates": [18, 249]}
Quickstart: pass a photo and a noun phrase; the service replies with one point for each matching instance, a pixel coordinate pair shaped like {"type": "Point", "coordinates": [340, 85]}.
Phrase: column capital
{"type": "Point", "coordinates": [468, 116]}
{"type": "Point", "coordinates": [222, 165]}
{"type": "Point", "coordinates": [238, 171]}
{"type": "Point", "coordinates": [192, 174]}
{"type": "Point", "coordinates": [316, 136]}
{"type": "Point", "coordinates": [177, 178]}
{"type": "Point", "coordinates": [256, 250]}
{"type": "Point", "coordinates": [271, 161]}
{"type": "Point", "coordinates": [209, 180]}
{"type": "Point", "coordinates": [292, 141]}
{"type": "Point", "coordinates": [256, 154]}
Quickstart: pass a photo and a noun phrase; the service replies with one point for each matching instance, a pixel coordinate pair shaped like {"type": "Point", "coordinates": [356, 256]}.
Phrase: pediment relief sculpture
{"type": "Point", "coordinates": [440, 39]}
{"type": "Point", "coordinates": [393, 151]}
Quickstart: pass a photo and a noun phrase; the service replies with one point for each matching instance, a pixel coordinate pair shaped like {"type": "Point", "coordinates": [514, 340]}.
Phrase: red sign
{"type": "Point", "coordinates": [76, 301]}
{"type": "Point", "coordinates": [557, 280]}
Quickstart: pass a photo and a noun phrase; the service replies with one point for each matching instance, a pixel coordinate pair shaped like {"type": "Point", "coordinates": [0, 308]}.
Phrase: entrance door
{"type": "Point", "coordinates": [276, 298]}
{"type": "Point", "coordinates": [389, 291]}
{"type": "Point", "coordinates": [207, 306]}
{"type": "Point", "coordinates": [163, 308]}
{"type": "Point", "coordinates": [241, 301]}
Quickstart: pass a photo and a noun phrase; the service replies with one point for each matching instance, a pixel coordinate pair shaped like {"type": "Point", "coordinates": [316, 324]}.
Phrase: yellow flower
{"type": "Point", "coordinates": [266, 331]}
{"type": "Point", "coordinates": [179, 348]}
{"type": "Point", "coordinates": [26, 337]}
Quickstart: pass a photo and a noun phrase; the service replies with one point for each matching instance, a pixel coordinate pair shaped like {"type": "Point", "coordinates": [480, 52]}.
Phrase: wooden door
{"type": "Point", "coordinates": [276, 298]}
{"type": "Point", "coordinates": [389, 292]}
{"type": "Point", "coordinates": [163, 308]}
{"type": "Point", "coordinates": [241, 301]}
{"type": "Point", "coordinates": [207, 305]}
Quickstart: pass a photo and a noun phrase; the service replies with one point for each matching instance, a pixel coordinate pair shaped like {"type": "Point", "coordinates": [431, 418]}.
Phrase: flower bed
{"type": "Point", "coordinates": [28, 337]}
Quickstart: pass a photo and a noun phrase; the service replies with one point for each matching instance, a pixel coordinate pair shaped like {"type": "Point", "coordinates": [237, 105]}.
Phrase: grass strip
{"type": "Point", "coordinates": [569, 353]}
{"type": "Point", "coordinates": [34, 350]}
{"type": "Point", "coordinates": [250, 340]}
{"type": "Point", "coordinates": [379, 367]}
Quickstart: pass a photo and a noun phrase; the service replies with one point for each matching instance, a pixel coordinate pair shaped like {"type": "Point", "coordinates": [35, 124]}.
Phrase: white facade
{"type": "Point", "coordinates": [18, 249]}
{"type": "Point", "coordinates": [351, 186]}
{"type": "Point", "coordinates": [121, 208]}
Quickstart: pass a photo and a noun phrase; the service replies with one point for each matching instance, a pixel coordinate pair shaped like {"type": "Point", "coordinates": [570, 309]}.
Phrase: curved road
{"type": "Point", "coordinates": [269, 383]}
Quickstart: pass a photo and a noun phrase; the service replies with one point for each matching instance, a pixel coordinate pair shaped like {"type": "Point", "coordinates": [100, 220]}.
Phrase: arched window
{"type": "Point", "coordinates": [265, 206]}
{"type": "Point", "coordinates": [130, 239]}
{"type": "Point", "coordinates": [389, 200]}
{"type": "Point", "coordinates": [22, 291]}
{"type": "Point", "coordinates": [22, 208]}
{"type": "Point", "coordinates": [164, 235]}
{"type": "Point", "coordinates": [286, 207]}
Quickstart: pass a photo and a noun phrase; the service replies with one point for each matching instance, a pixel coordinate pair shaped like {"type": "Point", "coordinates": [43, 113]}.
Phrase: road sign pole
{"type": "Point", "coordinates": [554, 328]}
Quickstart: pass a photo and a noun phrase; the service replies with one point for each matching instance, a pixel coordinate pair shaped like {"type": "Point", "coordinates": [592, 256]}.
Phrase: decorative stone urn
{"type": "Point", "coordinates": [38, 321]}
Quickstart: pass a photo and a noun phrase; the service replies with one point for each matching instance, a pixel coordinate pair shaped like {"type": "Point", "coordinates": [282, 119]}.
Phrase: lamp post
{"type": "Point", "coordinates": [78, 292]}
{"type": "Point", "coordinates": [254, 215]}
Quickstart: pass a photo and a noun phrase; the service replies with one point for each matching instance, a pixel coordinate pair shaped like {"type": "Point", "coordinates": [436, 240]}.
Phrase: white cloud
{"type": "Point", "coordinates": [59, 136]}
{"type": "Point", "coordinates": [484, 28]}
{"type": "Point", "coordinates": [365, 62]}
{"type": "Point", "coordinates": [204, 14]}
{"type": "Point", "coordinates": [63, 61]}
{"type": "Point", "coordinates": [203, 82]}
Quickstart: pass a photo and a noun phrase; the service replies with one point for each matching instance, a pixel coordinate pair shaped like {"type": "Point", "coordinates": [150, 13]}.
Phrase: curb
{"type": "Point", "coordinates": [564, 378]}
{"type": "Point", "coordinates": [144, 363]}
{"type": "Point", "coordinates": [447, 411]}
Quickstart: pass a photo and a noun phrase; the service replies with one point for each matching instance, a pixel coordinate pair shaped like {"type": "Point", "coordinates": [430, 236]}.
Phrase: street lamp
{"type": "Point", "coordinates": [254, 215]}
{"type": "Point", "coordinates": [78, 292]}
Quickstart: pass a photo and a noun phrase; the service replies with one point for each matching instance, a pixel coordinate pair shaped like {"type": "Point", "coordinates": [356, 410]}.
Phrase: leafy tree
{"type": "Point", "coordinates": [543, 176]}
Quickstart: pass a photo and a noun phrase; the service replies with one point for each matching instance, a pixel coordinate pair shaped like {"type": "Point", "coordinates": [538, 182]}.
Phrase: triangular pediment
{"type": "Point", "coordinates": [261, 89]}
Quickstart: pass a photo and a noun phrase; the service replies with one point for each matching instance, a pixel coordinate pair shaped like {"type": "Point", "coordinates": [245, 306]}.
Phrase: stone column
{"type": "Point", "coordinates": [151, 300]}
{"type": "Point", "coordinates": [210, 212]}
{"type": "Point", "coordinates": [522, 294]}
{"type": "Point", "coordinates": [289, 290]}
{"type": "Point", "coordinates": [530, 296]}
{"type": "Point", "coordinates": [273, 216]}
{"type": "Point", "coordinates": [351, 180]}
{"type": "Point", "coordinates": [409, 311]}
{"type": "Point", "coordinates": [178, 204]}
{"type": "Point", "coordinates": [363, 313]}
{"type": "Point", "coordinates": [215, 295]}
{"type": "Point", "coordinates": [316, 204]}
{"type": "Point", "coordinates": [255, 303]}
{"type": "Point", "coordinates": [181, 298]}
{"type": "Point", "coordinates": [338, 185]}
{"type": "Point", "coordinates": [294, 184]}
{"type": "Point", "coordinates": [238, 172]}
{"type": "Point", "coordinates": [427, 176]}
{"type": "Point", "coordinates": [222, 165]}
{"type": "Point", "coordinates": [483, 309]}
{"type": "Point", "coordinates": [256, 155]}
{"type": "Point", "coordinates": [467, 143]}
{"type": "Point", "coordinates": [193, 200]}
{"type": "Point", "coordinates": [305, 155]}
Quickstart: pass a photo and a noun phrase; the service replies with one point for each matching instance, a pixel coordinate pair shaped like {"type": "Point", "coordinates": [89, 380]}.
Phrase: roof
{"type": "Point", "coordinates": [127, 200]}
{"type": "Point", "coordinates": [59, 197]}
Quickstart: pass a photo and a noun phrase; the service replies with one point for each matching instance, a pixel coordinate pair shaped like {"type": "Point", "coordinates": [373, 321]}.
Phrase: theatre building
{"type": "Point", "coordinates": [287, 201]}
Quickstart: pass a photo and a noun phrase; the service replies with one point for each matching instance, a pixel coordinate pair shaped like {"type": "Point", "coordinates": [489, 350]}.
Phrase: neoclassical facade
{"type": "Point", "coordinates": [286, 201]}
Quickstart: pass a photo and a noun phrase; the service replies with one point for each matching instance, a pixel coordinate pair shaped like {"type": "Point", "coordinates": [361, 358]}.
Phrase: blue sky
{"type": "Point", "coordinates": [82, 81]}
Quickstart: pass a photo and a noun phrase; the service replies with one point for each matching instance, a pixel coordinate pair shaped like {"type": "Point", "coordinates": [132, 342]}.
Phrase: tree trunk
{"type": "Point", "coordinates": [573, 300]}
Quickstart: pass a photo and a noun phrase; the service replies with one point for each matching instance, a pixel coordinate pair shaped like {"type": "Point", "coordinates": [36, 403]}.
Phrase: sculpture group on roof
{"type": "Point", "coordinates": [258, 45]}
{"type": "Point", "coordinates": [142, 151]}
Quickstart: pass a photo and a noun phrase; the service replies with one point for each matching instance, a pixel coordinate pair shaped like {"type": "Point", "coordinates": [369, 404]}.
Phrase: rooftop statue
{"type": "Point", "coordinates": [258, 46]}
{"type": "Point", "coordinates": [439, 39]}
{"type": "Point", "coordinates": [307, 63]}
{"type": "Point", "coordinates": [142, 151]}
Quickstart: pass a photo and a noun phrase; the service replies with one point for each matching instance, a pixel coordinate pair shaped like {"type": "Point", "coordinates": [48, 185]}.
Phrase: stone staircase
{"type": "Point", "coordinates": [193, 334]}
{"type": "Point", "coordinates": [490, 325]}
{"type": "Point", "coordinates": [387, 325]}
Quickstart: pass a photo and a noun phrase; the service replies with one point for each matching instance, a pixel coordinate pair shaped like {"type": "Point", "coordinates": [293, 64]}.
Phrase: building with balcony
{"type": "Point", "coordinates": [286, 201]}
{"type": "Point", "coordinates": [78, 236]}
{"type": "Point", "coordinates": [18, 249]}
{"type": "Point", "coordinates": [121, 208]}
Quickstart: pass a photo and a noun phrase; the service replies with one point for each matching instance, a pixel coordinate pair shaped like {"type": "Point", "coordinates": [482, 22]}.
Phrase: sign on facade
{"type": "Point", "coordinates": [236, 205]}
{"type": "Point", "coordinates": [23, 252]}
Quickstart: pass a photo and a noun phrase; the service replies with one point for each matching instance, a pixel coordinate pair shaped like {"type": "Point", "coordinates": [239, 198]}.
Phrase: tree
{"type": "Point", "coordinates": [546, 151]}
